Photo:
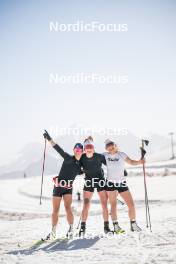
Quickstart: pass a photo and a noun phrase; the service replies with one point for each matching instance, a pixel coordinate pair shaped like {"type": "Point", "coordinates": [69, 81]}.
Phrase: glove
{"type": "Point", "coordinates": [143, 152]}
{"type": "Point", "coordinates": [125, 173]}
{"type": "Point", "coordinates": [47, 136]}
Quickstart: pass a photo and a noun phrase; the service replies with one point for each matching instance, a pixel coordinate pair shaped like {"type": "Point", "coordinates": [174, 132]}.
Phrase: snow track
{"type": "Point", "coordinates": [24, 221]}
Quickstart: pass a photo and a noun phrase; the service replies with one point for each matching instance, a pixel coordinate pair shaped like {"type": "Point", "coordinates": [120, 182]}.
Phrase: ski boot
{"type": "Point", "coordinates": [107, 230]}
{"type": "Point", "coordinates": [51, 235]}
{"type": "Point", "coordinates": [117, 229]}
{"type": "Point", "coordinates": [135, 227]}
{"type": "Point", "coordinates": [82, 230]}
{"type": "Point", "coordinates": [70, 232]}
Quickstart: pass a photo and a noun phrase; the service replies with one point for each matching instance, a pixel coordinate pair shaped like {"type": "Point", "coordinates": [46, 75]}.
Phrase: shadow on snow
{"type": "Point", "coordinates": [76, 244]}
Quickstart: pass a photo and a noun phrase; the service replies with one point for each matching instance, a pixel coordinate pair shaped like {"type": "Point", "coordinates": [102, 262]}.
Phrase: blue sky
{"type": "Point", "coordinates": [29, 52]}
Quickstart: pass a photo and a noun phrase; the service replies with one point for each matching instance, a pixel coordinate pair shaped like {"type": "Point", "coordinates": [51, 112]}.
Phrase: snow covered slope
{"type": "Point", "coordinates": [24, 221]}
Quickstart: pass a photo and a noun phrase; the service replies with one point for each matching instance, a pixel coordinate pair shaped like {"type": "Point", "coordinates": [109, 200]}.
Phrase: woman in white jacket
{"type": "Point", "coordinates": [116, 184]}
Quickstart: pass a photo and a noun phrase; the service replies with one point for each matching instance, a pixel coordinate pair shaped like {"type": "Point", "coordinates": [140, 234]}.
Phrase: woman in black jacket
{"type": "Point", "coordinates": [63, 184]}
{"type": "Point", "coordinates": [94, 179]}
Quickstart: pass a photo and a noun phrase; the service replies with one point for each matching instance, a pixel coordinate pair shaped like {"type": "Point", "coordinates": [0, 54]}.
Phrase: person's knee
{"type": "Point", "coordinates": [68, 208]}
{"type": "Point", "coordinates": [104, 205]}
{"type": "Point", "coordinates": [113, 207]}
{"type": "Point", "coordinates": [55, 212]}
{"type": "Point", "coordinates": [86, 202]}
{"type": "Point", "coordinates": [131, 205]}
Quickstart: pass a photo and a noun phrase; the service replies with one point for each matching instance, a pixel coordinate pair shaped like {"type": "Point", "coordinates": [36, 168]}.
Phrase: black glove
{"type": "Point", "coordinates": [47, 136]}
{"type": "Point", "coordinates": [143, 152]}
{"type": "Point", "coordinates": [125, 173]}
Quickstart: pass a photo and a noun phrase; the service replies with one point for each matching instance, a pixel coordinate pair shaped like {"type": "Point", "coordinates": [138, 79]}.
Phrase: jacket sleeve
{"type": "Point", "coordinates": [103, 160]}
{"type": "Point", "coordinates": [61, 151]}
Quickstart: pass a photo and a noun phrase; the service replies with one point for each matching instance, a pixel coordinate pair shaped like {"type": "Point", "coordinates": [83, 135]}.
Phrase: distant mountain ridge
{"type": "Point", "coordinates": [29, 160]}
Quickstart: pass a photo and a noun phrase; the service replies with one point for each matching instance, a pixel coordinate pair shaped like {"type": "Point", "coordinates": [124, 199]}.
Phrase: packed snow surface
{"type": "Point", "coordinates": [23, 221]}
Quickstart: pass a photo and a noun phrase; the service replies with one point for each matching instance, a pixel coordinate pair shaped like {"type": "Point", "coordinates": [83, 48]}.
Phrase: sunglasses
{"type": "Point", "coordinates": [78, 149]}
{"type": "Point", "coordinates": [110, 145]}
{"type": "Point", "coordinates": [89, 146]}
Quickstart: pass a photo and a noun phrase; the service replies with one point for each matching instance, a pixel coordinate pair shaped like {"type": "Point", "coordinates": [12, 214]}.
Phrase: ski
{"type": "Point", "coordinates": [119, 232]}
{"type": "Point", "coordinates": [42, 241]}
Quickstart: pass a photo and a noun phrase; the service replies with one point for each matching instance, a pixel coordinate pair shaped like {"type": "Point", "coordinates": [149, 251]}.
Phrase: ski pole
{"type": "Point", "coordinates": [148, 219]}
{"type": "Point", "coordinates": [122, 203]}
{"type": "Point", "coordinates": [43, 169]}
{"type": "Point", "coordinates": [79, 222]}
{"type": "Point", "coordinates": [143, 152]}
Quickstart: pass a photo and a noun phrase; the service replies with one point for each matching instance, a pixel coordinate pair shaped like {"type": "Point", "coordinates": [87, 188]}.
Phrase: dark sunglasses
{"type": "Point", "coordinates": [111, 144]}
{"type": "Point", "coordinates": [89, 146]}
